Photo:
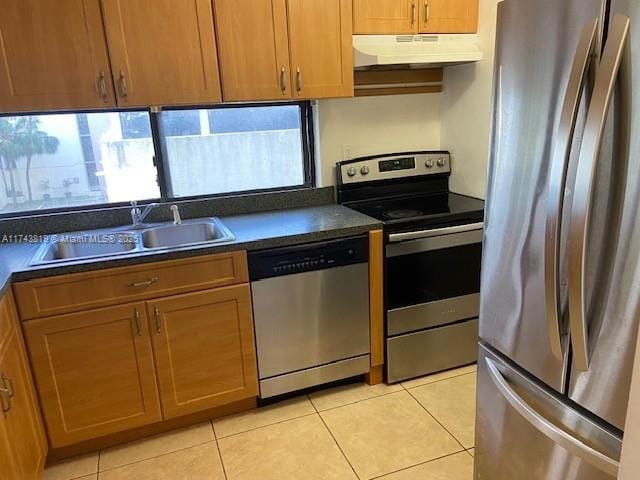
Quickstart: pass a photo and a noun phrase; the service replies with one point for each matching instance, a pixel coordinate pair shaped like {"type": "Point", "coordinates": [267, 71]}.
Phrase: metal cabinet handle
{"type": "Point", "coordinates": [136, 317]}
{"type": "Point", "coordinates": [5, 399]}
{"type": "Point", "coordinates": [283, 80]}
{"type": "Point", "coordinates": [558, 179]}
{"type": "Point", "coordinates": [156, 312]}
{"type": "Point", "coordinates": [122, 81]}
{"type": "Point", "coordinates": [298, 80]}
{"type": "Point", "coordinates": [550, 430]}
{"type": "Point", "coordinates": [427, 13]}
{"type": "Point", "coordinates": [102, 86]}
{"type": "Point", "coordinates": [580, 211]}
{"type": "Point", "coordinates": [7, 383]}
{"type": "Point", "coordinates": [144, 283]}
{"type": "Point", "coordinates": [414, 14]}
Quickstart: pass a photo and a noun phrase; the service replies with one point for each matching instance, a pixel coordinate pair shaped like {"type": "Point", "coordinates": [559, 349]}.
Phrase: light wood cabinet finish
{"type": "Point", "coordinates": [53, 55]}
{"type": "Point", "coordinates": [23, 446]}
{"type": "Point", "coordinates": [83, 291]}
{"type": "Point", "coordinates": [94, 371]}
{"type": "Point", "coordinates": [282, 49]}
{"type": "Point", "coordinates": [253, 49]}
{"type": "Point", "coordinates": [163, 52]}
{"type": "Point", "coordinates": [320, 38]}
{"type": "Point", "coordinates": [449, 16]}
{"type": "Point", "coordinates": [204, 349]}
{"type": "Point", "coordinates": [408, 17]}
{"type": "Point", "coordinates": [385, 16]}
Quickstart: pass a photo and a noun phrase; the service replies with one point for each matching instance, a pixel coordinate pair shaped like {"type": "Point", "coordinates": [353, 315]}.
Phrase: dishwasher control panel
{"type": "Point", "coordinates": [306, 258]}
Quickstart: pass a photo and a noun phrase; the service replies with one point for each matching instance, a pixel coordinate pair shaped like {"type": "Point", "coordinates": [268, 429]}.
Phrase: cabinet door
{"type": "Point", "coordinates": [253, 46]}
{"type": "Point", "coordinates": [163, 52]}
{"type": "Point", "coordinates": [22, 441]}
{"type": "Point", "coordinates": [449, 16]}
{"type": "Point", "coordinates": [94, 372]}
{"type": "Point", "coordinates": [320, 40]}
{"type": "Point", "coordinates": [53, 55]}
{"type": "Point", "coordinates": [204, 349]}
{"type": "Point", "coordinates": [385, 16]}
{"type": "Point", "coordinates": [22, 423]}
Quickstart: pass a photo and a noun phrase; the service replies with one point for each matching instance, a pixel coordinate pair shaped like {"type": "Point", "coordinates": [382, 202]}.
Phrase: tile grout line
{"type": "Point", "coordinates": [417, 465]}
{"type": "Point", "coordinates": [268, 425]}
{"type": "Point", "coordinates": [437, 421]}
{"type": "Point", "coordinates": [357, 401]}
{"type": "Point", "coordinates": [437, 381]}
{"type": "Point", "coordinates": [154, 457]}
{"type": "Point", "coordinates": [344, 455]}
{"type": "Point", "coordinates": [215, 436]}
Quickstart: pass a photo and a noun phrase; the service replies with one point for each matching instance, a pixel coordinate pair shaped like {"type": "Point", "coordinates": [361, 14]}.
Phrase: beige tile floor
{"type": "Point", "coordinates": [422, 429]}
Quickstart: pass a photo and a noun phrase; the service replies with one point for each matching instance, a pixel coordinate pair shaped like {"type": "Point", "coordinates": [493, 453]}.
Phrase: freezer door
{"type": "Point", "coordinates": [525, 432]}
{"type": "Point", "coordinates": [605, 314]}
{"type": "Point", "coordinates": [541, 88]}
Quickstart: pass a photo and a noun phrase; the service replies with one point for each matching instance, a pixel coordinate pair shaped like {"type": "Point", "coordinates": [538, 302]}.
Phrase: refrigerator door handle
{"type": "Point", "coordinates": [585, 51]}
{"type": "Point", "coordinates": [581, 207]}
{"type": "Point", "coordinates": [560, 437]}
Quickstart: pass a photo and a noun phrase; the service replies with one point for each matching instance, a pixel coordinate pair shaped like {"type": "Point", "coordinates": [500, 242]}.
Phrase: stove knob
{"type": "Point", "coordinates": [442, 162]}
{"type": "Point", "coordinates": [364, 170]}
{"type": "Point", "coordinates": [428, 163]}
{"type": "Point", "coordinates": [352, 172]}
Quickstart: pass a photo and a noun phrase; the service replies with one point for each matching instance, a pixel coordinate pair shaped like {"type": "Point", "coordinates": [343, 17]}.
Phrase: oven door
{"type": "Point", "coordinates": [433, 277]}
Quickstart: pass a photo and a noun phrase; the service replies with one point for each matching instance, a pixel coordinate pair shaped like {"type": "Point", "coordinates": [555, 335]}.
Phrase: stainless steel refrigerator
{"type": "Point", "coordinates": [560, 295]}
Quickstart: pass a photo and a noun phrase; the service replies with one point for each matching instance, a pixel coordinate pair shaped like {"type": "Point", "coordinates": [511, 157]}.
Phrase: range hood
{"type": "Point", "coordinates": [418, 51]}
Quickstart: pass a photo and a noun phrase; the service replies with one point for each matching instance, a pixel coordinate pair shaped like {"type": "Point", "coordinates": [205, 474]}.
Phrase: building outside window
{"type": "Point", "coordinates": [78, 160]}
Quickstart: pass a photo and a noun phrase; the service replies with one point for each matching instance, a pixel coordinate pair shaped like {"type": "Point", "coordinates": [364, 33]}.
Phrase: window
{"type": "Point", "coordinates": [71, 160]}
{"type": "Point", "coordinates": [233, 149]}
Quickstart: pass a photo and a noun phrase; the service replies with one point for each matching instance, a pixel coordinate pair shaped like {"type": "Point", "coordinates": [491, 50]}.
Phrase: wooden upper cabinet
{"type": "Point", "coordinates": [23, 446]}
{"type": "Point", "coordinates": [385, 16]}
{"type": "Point", "coordinates": [94, 372]}
{"type": "Point", "coordinates": [204, 349]}
{"type": "Point", "coordinates": [253, 49]}
{"type": "Point", "coordinates": [163, 52]}
{"type": "Point", "coordinates": [320, 39]}
{"type": "Point", "coordinates": [449, 16]}
{"type": "Point", "coordinates": [53, 55]}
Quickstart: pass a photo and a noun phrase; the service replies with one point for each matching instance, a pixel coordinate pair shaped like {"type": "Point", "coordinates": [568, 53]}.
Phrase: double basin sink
{"type": "Point", "coordinates": [126, 240]}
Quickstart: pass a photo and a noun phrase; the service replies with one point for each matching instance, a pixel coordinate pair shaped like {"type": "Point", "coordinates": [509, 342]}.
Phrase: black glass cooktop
{"type": "Point", "coordinates": [425, 209]}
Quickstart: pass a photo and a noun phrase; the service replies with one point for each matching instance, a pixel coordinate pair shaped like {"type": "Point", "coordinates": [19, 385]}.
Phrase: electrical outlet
{"type": "Point", "coordinates": [347, 152]}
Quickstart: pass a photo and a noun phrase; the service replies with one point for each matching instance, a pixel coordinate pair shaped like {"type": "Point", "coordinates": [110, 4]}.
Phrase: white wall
{"type": "Point", "coordinates": [372, 125]}
{"type": "Point", "coordinates": [457, 120]}
{"type": "Point", "coordinates": [466, 111]}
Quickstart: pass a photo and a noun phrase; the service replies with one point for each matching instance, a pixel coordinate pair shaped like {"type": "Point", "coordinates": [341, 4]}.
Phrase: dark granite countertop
{"type": "Point", "coordinates": [252, 231]}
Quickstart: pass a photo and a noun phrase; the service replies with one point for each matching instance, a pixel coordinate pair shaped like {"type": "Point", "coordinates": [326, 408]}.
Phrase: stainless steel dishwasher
{"type": "Point", "coordinates": [311, 314]}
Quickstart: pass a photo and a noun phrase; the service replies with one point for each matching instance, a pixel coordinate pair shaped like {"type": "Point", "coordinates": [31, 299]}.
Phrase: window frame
{"type": "Point", "coordinates": [160, 157]}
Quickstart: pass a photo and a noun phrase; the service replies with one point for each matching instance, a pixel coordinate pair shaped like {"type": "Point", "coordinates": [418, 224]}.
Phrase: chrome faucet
{"type": "Point", "coordinates": [138, 216]}
{"type": "Point", "coordinates": [177, 220]}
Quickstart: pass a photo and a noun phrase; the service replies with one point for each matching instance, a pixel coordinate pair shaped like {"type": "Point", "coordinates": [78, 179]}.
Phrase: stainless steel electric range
{"type": "Point", "coordinates": [433, 245]}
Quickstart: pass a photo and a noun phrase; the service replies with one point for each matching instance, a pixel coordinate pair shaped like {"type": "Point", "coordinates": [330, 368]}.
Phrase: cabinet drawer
{"type": "Point", "coordinates": [83, 291]}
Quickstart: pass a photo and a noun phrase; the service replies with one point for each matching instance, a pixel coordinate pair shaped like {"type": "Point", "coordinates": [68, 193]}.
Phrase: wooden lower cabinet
{"type": "Point", "coordinates": [94, 371]}
{"type": "Point", "coordinates": [109, 370]}
{"type": "Point", "coordinates": [23, 445]}
{"type": "Point", "coordinates": [204, 349]}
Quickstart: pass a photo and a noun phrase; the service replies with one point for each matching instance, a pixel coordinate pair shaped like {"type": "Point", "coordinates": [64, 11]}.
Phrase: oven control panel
{"type": "Point", "coordinates": [383, 167]}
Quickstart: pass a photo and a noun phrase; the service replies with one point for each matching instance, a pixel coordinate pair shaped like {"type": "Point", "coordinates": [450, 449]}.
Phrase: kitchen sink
{"type": "Point", "coordinates": [119, 242]}
{"type": "Point", "coordinates": [187, 233]}
{"type": "Point", "coordinates": [74, 246]}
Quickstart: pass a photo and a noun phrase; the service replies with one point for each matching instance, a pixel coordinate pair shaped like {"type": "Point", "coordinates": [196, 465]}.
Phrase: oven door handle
{"type": "Point", "coordinates": [438, 232]}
